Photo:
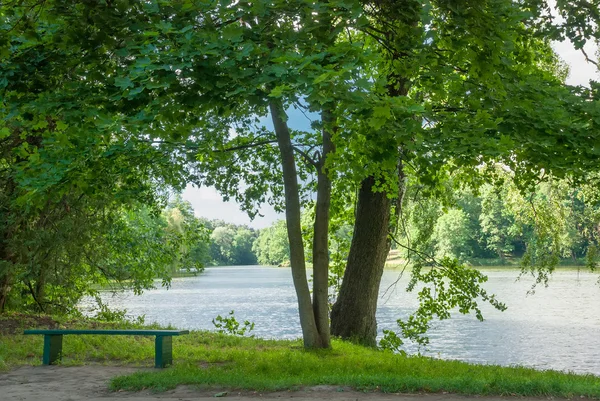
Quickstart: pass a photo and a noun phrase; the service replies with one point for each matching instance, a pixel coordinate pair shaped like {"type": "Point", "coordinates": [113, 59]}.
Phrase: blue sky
{"type": "Point", "coordinates": [208, 203]}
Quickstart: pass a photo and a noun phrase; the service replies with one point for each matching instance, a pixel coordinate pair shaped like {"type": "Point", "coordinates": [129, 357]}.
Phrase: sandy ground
{"type": "Point", "coordinates": [58, 383]}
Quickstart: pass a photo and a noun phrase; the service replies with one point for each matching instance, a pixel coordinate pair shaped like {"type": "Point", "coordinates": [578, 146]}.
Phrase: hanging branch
{"type": "Point", "coordinates": [316, 164]}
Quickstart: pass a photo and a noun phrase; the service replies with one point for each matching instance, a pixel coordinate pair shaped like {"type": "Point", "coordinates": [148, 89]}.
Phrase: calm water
{"type": "Point", "coordinates": [556, 328]}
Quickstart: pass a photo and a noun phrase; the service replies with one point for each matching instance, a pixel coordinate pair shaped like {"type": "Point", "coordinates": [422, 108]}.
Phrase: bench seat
{"type": "Point", "coordinates": [163, 344]}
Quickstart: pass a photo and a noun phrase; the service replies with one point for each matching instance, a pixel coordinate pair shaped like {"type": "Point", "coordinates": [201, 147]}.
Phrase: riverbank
{"type": "Point", "coordinates": [212, 362]}
{"type": "Point", "coordinates": [60, 383]}
{"type": "Point", "coordinates": [395, 261]}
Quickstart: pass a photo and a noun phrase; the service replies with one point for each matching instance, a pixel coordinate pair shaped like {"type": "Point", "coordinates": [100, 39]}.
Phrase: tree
{"type": "Point", "coordinates": [242, 247]}
{"type": "Point", "coordinates": [402, 88]}
{"type": "Point", "coordinates": [462, 91]}
{"type": "Point", "coordinates": [181, 222]}
{"type": "Point", "coordinates": [272, 246]}
{"type": "Point", "coordinates": [451, 235]}
{"type": "Point", "coordinates": [232, 245]}
{"type": "Point", "coordinates": [222, 246]}
{"type": "Point", "coordinates": [498, 221]}
{"type": "Point", "coordinates": [67, 175]}
{"type": "Point", "coordinates": [69, 257]}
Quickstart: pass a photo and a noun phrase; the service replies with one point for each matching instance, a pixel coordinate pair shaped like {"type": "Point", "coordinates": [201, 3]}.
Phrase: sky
{"type": "Point", "coordinates": [208, 203]}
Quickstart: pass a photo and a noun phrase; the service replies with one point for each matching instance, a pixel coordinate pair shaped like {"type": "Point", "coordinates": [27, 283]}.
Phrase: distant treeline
{"type": "Point", "coordinates": [497, 224]}
{"type": "Point", "coordinates": [231, 244]}
{"type": "Point", "coordinates": [558, 221]}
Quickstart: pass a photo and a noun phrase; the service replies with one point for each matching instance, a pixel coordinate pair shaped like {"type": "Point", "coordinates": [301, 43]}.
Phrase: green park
{"type": "Point", "coordinates": [375, 199]}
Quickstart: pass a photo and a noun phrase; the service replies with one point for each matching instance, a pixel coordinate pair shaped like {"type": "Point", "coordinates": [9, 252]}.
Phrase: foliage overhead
{"type": "Point", "coordinates": [139, 95]}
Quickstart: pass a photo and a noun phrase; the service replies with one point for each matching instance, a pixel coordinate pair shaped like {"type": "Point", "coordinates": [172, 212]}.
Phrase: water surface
{"type": "Point", "coordinates": [556, 328]}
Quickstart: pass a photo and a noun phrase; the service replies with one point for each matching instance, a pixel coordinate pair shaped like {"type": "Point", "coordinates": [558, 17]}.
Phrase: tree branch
{"type": "Point", "coordinates": [196, 147]}
{"type": "Point", "coordinates": [307, 158]}
{"type": "Point", "coordinates": [247, 146]}
{"type": "Point", "coordinates": [589, 60]}
{"type": "Point", "coordinates": [32, 291]}
{"type": "Point", "coordinates": [423, 256]}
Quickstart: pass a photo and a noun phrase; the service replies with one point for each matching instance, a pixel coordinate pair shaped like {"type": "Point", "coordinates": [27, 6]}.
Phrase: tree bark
{"type": "Point", "coordinates": [5, 283]}
{"type": "Point", "coordinates": [353, 314]}
{"type": "Point", "coordinates": [7, 273]}
{"type": "Point", "coordinates": [7, 276]}
{"type": "Point", "coordinates": [321, 236]}
{"type": "Point", "coordinates": [310, 333]}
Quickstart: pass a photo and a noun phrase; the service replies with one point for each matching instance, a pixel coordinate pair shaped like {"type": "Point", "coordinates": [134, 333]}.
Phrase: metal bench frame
{"type": "Point", "coordinates": [163, 343]}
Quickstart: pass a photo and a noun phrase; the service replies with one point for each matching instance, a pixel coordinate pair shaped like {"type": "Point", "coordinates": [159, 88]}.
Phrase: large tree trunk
{"type": "Point", "coordinates": [7, 273]}
{"type": "Point", "coordinates": [5, 283]}
{"type": "Point", "coordinates": [310, 333]}
{"type": "Point", "coordinates": [321, 236]}
{"type": "Point", "coordinates": [353, 314]}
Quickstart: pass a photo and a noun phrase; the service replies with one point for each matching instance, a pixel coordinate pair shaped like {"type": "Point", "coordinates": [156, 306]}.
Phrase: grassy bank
{"type": "Point", "coordinates": [208, 360]}
{"type": "Point", "coordinates": [395, 262]}
{"type": "Point", "coordinates": [17, 349]}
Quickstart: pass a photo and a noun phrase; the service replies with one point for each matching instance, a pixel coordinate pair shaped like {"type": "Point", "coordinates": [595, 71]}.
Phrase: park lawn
{"type": "Point", "coordinates": [211, 360]}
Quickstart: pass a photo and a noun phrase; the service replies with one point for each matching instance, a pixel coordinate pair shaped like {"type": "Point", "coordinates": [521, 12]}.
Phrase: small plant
{"type": "Point", "coordinates": [391, 341]}
{"type": "Point", "coordinates": [105, 314]}
{"type": "Point", "coordinates": [230, 325]}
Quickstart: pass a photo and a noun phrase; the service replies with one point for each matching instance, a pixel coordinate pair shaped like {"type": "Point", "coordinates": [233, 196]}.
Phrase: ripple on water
{"type": "Point", "coordinates": [556, 328]}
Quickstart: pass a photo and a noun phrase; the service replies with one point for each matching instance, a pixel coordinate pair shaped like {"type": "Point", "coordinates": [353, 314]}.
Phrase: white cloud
{"type": "Point", "coordinates": [208, 203]}
{"type": "Point", "coordinates": [581, 71]}
{"type": "Point", "coordinates": [204, 194]}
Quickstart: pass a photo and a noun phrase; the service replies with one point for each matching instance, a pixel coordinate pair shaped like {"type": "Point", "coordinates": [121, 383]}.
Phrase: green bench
{"type": "Point", "coordinates": [163, 344]}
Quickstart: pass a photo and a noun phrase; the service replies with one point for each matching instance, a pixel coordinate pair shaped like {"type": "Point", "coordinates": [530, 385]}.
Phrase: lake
{"type": "Point", "coordinates": [556, 328]}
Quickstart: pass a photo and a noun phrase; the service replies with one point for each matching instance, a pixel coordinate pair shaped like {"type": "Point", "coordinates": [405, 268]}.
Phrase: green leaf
{"type": "Point", "coordinates": [277, 92]}
{"type": "Point", "coordinates": [136, 91]}
{"type": "Point", "coordinates": [40, 124]}
{"type": "Point", "coordinates": [61, 126]}
{"type": "Point", "coordinates": [382, 112]}
{"type": "Point", "coordinates": [123, 83]}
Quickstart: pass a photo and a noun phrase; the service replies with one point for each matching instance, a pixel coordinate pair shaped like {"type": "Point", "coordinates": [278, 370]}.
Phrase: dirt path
{"type": "Point", "coordinates": [57, 383]}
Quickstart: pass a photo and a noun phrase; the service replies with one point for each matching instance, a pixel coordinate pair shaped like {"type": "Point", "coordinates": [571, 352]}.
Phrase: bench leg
{"type": "Point", "coordinates": [163, 351]}
{"type": "Point", "coordinates": [52, 348]}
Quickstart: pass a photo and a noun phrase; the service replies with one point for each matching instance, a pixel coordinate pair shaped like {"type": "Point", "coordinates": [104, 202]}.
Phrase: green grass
{"type": "Point", "coordinates": [17, 349]}
{"type": "Point", "coordinates": [211, 360]}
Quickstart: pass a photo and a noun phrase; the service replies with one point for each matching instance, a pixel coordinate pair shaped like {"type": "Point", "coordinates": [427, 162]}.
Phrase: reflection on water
{"type": "Point", "coordinates": [556, 328]}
